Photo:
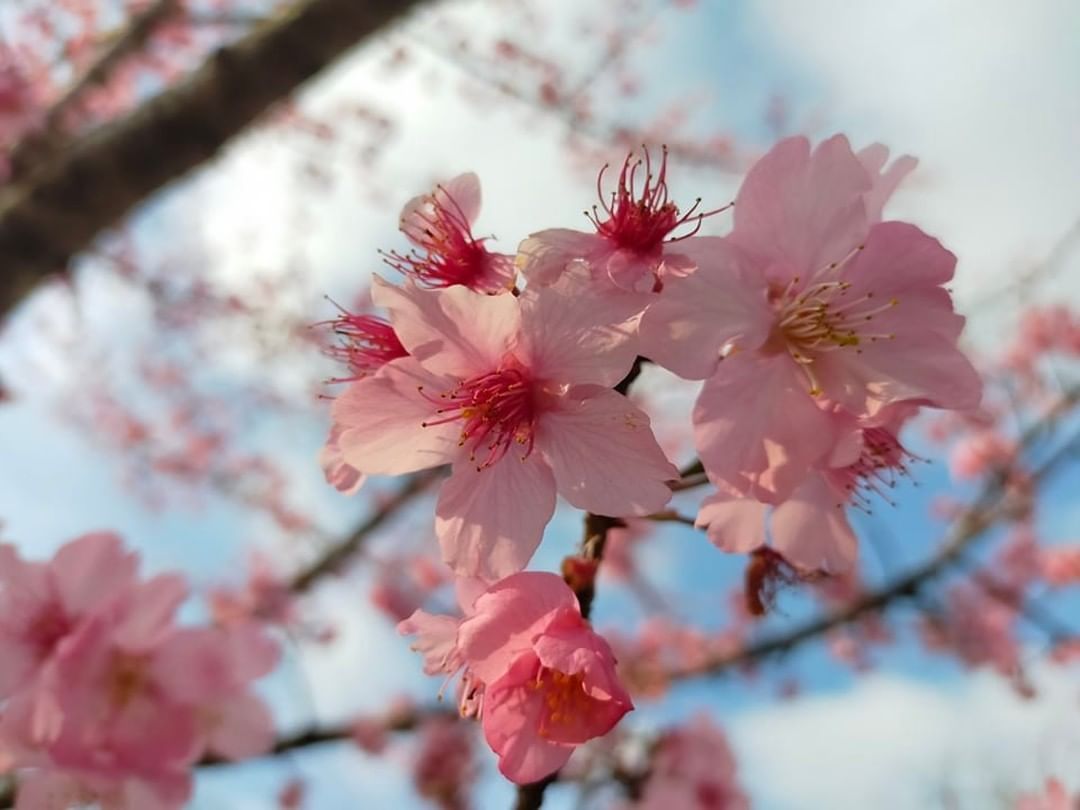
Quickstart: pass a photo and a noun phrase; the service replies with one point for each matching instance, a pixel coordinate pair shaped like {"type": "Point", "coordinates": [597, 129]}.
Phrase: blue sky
{"type": "Point", "coordinates": [986, 94]}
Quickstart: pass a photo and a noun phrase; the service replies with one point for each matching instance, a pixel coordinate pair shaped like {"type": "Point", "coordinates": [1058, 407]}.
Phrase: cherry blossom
{"type": "Point", "coordinates": [810, 529]}
{"type": "Point", "coordinates": [809, 298]}
{"type": "Point", "coordinates": [439, 223]}
{"type": "Point", "coordinates": [639, 237]}
{"type": "Point", "coordinates": [548, 682]}
{"type": "Point", "coordinates": [515, 394]}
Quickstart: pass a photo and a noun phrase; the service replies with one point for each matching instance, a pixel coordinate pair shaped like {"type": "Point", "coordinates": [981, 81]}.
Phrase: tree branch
{"type": "Point", "coordinates": [338, 555]}
{"type": "Point", "coordinates": [53, 213]}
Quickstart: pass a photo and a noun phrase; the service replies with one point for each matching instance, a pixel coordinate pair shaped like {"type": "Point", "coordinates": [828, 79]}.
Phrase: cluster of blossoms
{"type": "Point", "coordinates": [106, 700]}
{"type": "Point", "coordinates": [817, 327]}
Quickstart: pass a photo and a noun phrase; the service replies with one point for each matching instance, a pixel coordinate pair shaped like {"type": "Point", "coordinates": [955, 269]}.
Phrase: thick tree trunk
{"type": "Point", "coordinates": [54, 211]}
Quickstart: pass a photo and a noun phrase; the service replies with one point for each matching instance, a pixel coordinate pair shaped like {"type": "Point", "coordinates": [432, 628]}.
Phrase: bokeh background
{"type": "Point", "coordinates": [171, 390]}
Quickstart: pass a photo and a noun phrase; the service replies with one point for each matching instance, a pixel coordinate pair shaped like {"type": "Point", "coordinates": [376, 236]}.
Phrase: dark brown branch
{"type": "Point", "coordinates": [57, 209]}
{"type": "Point", "coordinates": [339, 554]}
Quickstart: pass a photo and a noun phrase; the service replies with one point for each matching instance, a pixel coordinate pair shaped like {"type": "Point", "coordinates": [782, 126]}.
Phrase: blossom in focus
{"type": "Point", "coordinates": [548, 682]}
{"type": "Point", "coordinates": [514, 393]}
{"type": "Point", "coordinates": [810, 529]}
{"type": "Point", "coordinates": [809, 299]}
{"type": "Point", "coordinates": [638, 239]}
{"type": "Point", "coordinates": [439, 223]}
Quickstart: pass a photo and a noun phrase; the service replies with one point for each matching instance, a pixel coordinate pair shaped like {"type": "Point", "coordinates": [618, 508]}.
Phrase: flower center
{"type": "Point", "coordinates": [451, 255]}
{"type": "Point", "coordinates": [640, 219]}
{"type": "Point", "coordinates": [127, 678]}
{"type": "Point", "coordinates": [47, 629]}
{"type": "Point", "coordinates": [565, 700]}
{"type": "Point", "coordinates": [366, 343]}
{"type": "Point", "coordinates": [498, 410]}
{"type": "Point", "coordinates": [882, 463]}
{"type": "Point", "coordinates": [821, 316]}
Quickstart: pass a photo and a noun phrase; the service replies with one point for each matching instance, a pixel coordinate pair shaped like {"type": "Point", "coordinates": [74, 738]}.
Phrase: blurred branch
{"type": "Point", "coordinates": [1051, 264]}
{"type": "Point", "coordinates": [131, 39]}
{"type": "Point", "coordinates": [993, 504]}
{"type": "Point", "coordinates": [339, 554]}
{"type": "Point", "coordinates": [58, 208]}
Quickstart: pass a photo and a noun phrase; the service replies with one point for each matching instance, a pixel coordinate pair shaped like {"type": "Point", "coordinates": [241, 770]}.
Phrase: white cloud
{"type": "Point", "coordinates": [896, 744]}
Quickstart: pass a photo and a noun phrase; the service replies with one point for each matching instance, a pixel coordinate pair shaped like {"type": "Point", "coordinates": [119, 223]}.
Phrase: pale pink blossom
{"type": "Point", "coordinates": [440, 223]}
{"type": "Point", "coordinates": [444, 766]}
{"type": "Point", "coordinates": [1061, 565]}
{"type": "Point", "coordinates": [808, 299]}
{"type": "Point", "coordinates": [125, 700]}
{"type": "Point", "coordinates": [515, 394]}
{"type": "Point", "coordinates": [637, 240]}
{"type": "Point", "coordinates": [340, 475]}
{"type": "Point", "coordinates": [810, 529]}
{"type": "Point", "coordinates": [692, 768]}
{"type": "Point", "coordinates": [43, 603]}
{"type": "Point", "coordinates": [1053, 797]}
{"type": "Point", "coordinates": [979, 453]}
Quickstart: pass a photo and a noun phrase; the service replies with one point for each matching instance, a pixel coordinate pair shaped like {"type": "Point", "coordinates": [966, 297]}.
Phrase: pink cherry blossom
{"type": "Point", "coordinates": [343, 477]}
{"type": "Point", "coordinates": [810, 529]}
{"type": "Point", "coordinates": [365, 344]}
{"type": "Point", "coordinates": [809, 298]}
{"type": "Point", "coordinates": [122, 700]}
{"type": "Point", "coordinates": [637, 239]}
{"type": "Point", "coordinates": [550, 681]}
{"type": "Point", "coordinates": [515, 394]}
{"type": "Point", "coordinates": [542, 681]}
{"type": "Point", "coordinates": [443, 767]}
{"type": "Point", "coordinates": [439, 224]}
{"type": "Point", "coordinates": [1053, 797]}
{"type": "Point", "coordinates": [43, 603]}
{"type": "Point", "coordinates": [692, 769]}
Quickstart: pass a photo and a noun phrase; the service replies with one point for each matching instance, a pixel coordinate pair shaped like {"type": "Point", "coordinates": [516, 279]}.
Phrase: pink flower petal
{"type": "Point", "coordinates": [811, 530]}
{"type": "Point", "coordinates": [244, 728]}
{"type": "Point", "coordinates": [573, 335]}
{"type": "Point", "coordinates": [873, 158]}
{"type": "Point", "coordinates": [506, 618]}
{"type": "Point", "coordinates": [436, 640]}
{"type": "Point", "coordinates": [452, 331]}
{"type": "Point", "coordinates": [91, 567]}
{"type": "Point", "coordinates": [545, 256]}
{"type": "Point", "coordinates": [757, 429]}
{"type": "Point", "coordinates": [695, 315]}
{"type": "Point", "coordinates": [735, 525]}
{"type": "Point", "coordinates": [604, 455]}
{"type": "Point", "coordinates": [800, 209]}
{"type": "Point", "coordinates": [382, 417]}
{"type": "Point", "coordinates": [489, 522]}
{"type": "Point", "coordinates": [512, 715]}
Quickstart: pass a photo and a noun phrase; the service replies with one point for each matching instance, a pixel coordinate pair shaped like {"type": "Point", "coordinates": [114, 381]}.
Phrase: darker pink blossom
{"type": "Point", "coordinates": [547, 681]}
{"type": "Point", "coordinates": [515, 393]}
{"type": "Point", "coordinates": [439, 224]}
{"type": "Point", "coordinates": [809, 299]}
